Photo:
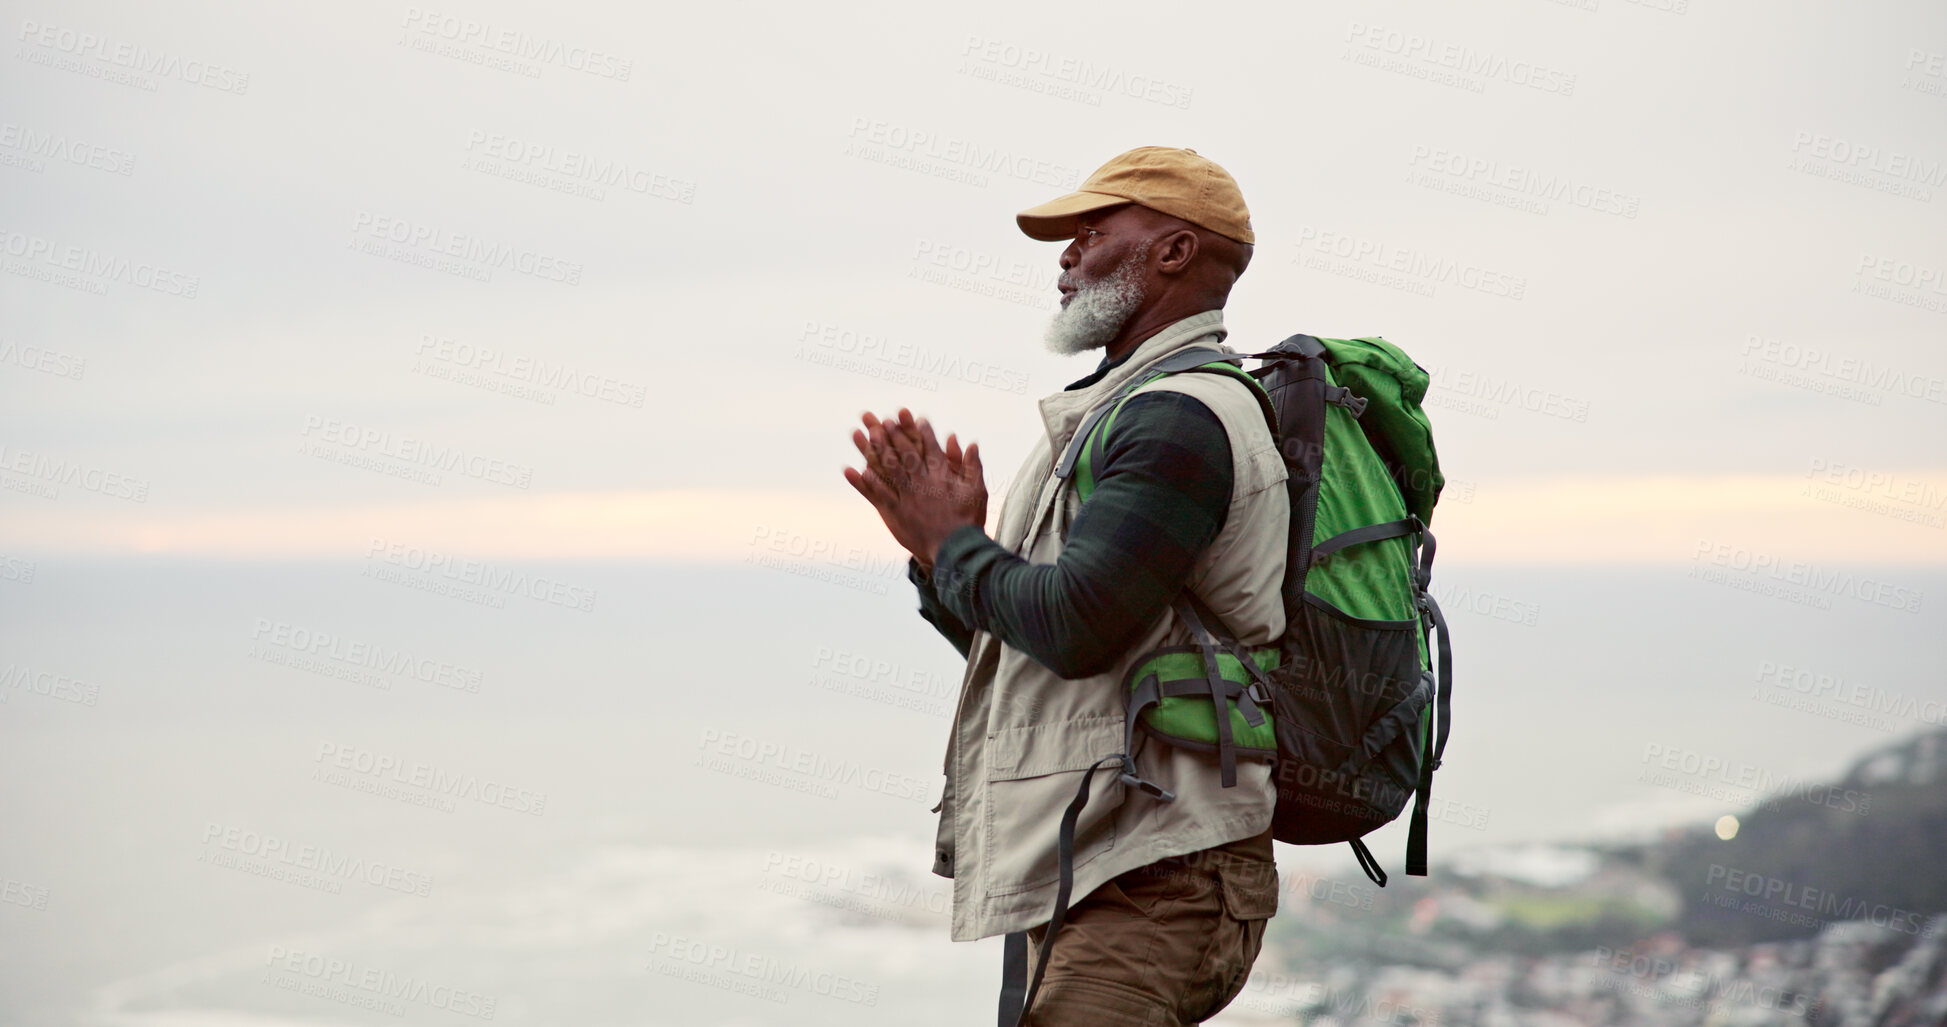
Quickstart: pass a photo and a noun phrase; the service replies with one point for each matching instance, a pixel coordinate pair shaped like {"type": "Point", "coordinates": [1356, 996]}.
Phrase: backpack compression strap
{"type": "Point", "coordinates": [1431, 615]}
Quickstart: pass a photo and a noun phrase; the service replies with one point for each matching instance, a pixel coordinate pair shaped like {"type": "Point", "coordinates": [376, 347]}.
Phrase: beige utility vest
{"type": "Point", "coordinates": [1022, 737]}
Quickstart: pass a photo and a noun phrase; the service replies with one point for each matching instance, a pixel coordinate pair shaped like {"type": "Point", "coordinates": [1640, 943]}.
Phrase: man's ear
{"type": "Point", "coordinates": [1177, 251]}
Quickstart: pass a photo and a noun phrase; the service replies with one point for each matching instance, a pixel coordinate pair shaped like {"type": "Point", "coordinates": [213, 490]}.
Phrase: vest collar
{"type": "Point", "coordinates": [1062, 412]}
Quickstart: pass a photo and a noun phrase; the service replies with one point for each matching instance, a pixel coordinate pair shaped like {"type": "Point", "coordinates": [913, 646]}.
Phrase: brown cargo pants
{"type": "Point", "coordinates": [1163, 945]}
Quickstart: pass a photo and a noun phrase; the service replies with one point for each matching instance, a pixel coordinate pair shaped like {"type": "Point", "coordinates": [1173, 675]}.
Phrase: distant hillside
{"type": "Point", "coordinates": [1872, 846]}
{"type": "Point", "coordinates": [1827, 908]}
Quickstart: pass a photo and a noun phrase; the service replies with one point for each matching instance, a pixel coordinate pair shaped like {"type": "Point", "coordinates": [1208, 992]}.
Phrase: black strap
{"type": "Point", "coordinates": [1226, 749]}
{"type": "Point", "coordinates": [1306, 346]}
{"type": "Point", "coordinates": [1014, 974]}
{"type": "Point", "coordinates": [1228, 639]}
{"type": "Point", "coordinates": [1263, 398]}
{"type": "Point", "coordinates": [1370, 533]}
{"type": "Point", "coordinates": [1147, 693]}
{"type": "Point", "coordinates": [1016, 999]}
{"type": "Point", "coordinates": [1367, 863]}
{"type": "Point", "coordinates": [1416, 838]}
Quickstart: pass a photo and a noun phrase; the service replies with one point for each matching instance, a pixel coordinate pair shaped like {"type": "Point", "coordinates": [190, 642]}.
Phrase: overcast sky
{"type": "Point", "coordinates": [1677, 267]}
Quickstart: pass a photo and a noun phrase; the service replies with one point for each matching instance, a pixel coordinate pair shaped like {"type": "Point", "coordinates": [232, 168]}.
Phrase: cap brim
{"type": "Point", "coordinates": [1055, 220]}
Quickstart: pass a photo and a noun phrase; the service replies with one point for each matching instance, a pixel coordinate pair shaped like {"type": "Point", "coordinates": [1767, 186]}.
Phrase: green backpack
{"type": "Point", "coordinates": [1357, 717]}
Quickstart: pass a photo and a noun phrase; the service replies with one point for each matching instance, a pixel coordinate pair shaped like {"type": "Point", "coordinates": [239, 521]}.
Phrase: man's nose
{"type": "Point", "coordinates": [1071, 256]}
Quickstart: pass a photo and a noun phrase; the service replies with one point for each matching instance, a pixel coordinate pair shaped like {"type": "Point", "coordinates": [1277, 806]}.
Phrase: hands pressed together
{"type": "Point", "coordinates": [922, 491]}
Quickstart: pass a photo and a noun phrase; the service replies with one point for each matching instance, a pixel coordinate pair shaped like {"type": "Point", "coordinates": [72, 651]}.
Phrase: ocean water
{"type": "Point", "coordinates": [704, 800]}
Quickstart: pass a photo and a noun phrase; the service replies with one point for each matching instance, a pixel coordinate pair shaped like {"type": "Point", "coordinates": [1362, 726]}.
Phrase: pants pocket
{"type": "Point", "coordinates": [1250, 898]}
{"type": "Point", "coordinates": [1250, 889]}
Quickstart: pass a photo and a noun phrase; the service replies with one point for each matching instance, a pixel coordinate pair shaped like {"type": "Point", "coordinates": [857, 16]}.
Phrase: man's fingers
{"type": "Point", "coordinates": [869, 448]}
{"type": "Point", "coordinates": [932, 444]}
{"type": "Point", "coordinates": [974, 469]}
{"type": "Point", "coordinates": [907, 455]}
{"type": "Point", "coordinates": [880, 459]}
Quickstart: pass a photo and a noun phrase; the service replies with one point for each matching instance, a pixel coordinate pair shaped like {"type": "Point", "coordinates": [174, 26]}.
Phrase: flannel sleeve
{"type": "Point", "coordinates": [1161, 495]}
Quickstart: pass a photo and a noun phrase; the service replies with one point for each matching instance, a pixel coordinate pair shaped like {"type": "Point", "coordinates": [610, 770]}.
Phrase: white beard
{"type": "Point", "coordinates": [1099, 309]}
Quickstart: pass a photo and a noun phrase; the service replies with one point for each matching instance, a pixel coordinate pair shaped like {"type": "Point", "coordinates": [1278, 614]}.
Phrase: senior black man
{"type": "Point", "coordinates": [1054, 610]}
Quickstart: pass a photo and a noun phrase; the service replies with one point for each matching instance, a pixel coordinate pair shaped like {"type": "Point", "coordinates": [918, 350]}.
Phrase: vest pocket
{"type": "Point", "coordinates": [1033, 774]}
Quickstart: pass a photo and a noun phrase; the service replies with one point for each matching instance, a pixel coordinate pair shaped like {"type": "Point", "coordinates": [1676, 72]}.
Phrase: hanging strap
{"type": "Point", "coordinates": [1430, 610]}
{"type": "Point", "coordinates": [1416, 835]}
{"type": "Point", "coordinates": [1017, 989]}
{"type": "Point", "coordinates": [1368, 863]}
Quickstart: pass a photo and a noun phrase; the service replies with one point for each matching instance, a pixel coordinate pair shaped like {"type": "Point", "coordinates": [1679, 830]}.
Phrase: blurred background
{"type": "Point", "coordinates": [429, 592]}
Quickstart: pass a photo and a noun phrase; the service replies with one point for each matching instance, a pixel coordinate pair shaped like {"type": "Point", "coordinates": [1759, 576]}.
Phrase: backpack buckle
{"type": "Point", "coordinates": [1354, 403]}
{"type": "Point", "coordinates": [1161, 793]}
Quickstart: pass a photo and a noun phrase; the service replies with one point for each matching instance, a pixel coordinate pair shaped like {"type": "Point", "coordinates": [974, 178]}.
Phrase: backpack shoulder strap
{"type": "Point", "coordinates": [1177, 361]}
{"type": "Point", "coordinates": [1085, 448]}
